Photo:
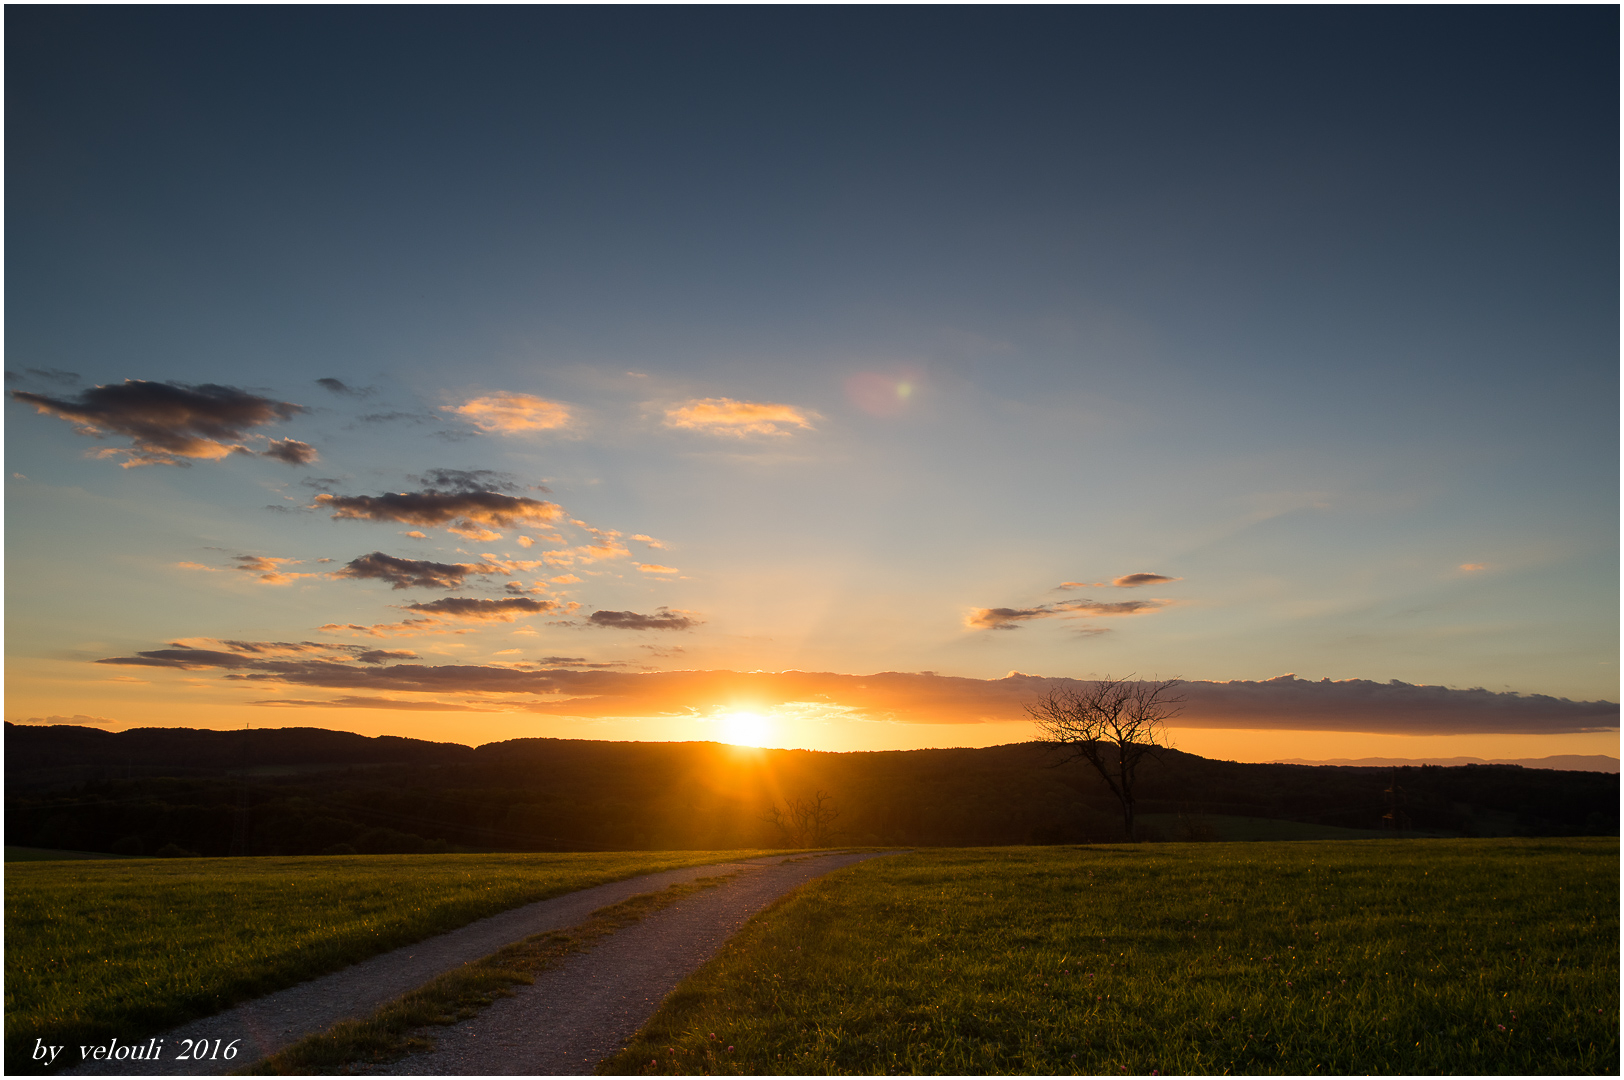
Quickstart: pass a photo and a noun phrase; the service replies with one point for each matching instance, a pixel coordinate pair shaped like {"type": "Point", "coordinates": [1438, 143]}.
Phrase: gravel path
{"type": "Point", "coordinates": [579, 1013]}
{"type": "Point", "coordinates": [266, 1025]}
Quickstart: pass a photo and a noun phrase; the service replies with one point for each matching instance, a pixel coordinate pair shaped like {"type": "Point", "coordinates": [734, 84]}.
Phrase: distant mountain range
{"type": "Point", "coordinates": [1564, 762]}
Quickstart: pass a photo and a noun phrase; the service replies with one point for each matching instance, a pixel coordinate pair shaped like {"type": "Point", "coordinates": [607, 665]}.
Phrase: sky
{"type": "Point", "coordinates": [840, 378]}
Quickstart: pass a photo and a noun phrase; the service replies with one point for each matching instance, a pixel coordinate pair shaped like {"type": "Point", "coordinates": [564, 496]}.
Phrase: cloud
{"type": "Point", "coordinates": [1133, 581]}
{"type": "Point", "coordinates": [510, 414]}
{"type": "Point", "coordinates": [656, 568]}
{"type": "Point", "coordinates": [1004, 618]}
{"type": "Point", "coordinates": [1284, 703]}
{"type": "Point", "coordinates": [166, 423]}
{"type": "Point", "coordinates": [1469, 567]}
{"type": "Point", "coordinates": [507, 610]}
{"type": "Point", "coordinates": [338, 387]}
{"type": "Point", "coordinates": [466, 480]}
{"type": "Point", "coordinates": [649, 540]}
{"type": "Point", "coordinates": [268, 569]}
{"type": "Point", "coordinates": [53, 375]}
{"type": "Point", "coordinates": [466, 513]}
{"type": "Point", "coordinates": [724, 416]}
{"type": "Point", "coordinates": [378, 656]}
{"type": "Point", "coordinates": [411, 573]}
{"type": "Point", "coordinates": [662, 619]}
{"type": "Point", "coordinates": [291, 451]}
{"type": "Point", "coordinates": [370, 703]}
{"type": "Point", "coordinates": [78, 720]}
{"type": "Point", "coordinates": [1081, 585]}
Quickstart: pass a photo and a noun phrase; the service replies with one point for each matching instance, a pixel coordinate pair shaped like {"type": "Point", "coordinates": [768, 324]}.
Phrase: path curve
{"type": "Point", "coordinates": [579, 1013]}
{"type": "Point", "coordinates": [270, 1023]}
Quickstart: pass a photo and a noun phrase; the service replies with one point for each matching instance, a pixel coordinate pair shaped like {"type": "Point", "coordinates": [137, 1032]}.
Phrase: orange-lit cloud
{"type": "Point", "coordinates": [724, 416]}
{"type": "Point", "coordinates": [1471, 566]}
{"type": "Point", "coordinates": [171, 423]}
{"type": "Point", "coordinates": [1011, 618]}
{"type": "Point", "coordinates": [1284, 703]}
{"type": "Point", "coordinates": [268, 570]}
{"type": "Point", "coordinates": [512, 414]}
{"type": "Point", "coordinates": [467, 513]}
{"type": "Point", "coordinates": [1133, 581]}
{"type": "Point", "coordinates": [649, 540]}
{"type": "Point", "coordinates": [656, 568]}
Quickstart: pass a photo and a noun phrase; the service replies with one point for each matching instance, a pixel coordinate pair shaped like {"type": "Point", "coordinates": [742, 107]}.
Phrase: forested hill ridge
{"type": "Point", "coordinates": [309, 791]}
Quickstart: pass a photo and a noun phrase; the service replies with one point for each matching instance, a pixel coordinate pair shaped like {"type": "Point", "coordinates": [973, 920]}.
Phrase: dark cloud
{"type": "Point", "coordinates": [165, 422]}
{"type": "Point", "coordinates": [1133, 581]}
{"type": "Point", "coordinates": [507, 610]}
{"type": "Point", "coordinates": [1284, 703]}
{"type": "Point", "coordinates": [51, 375]}
{"type": "Point", "coordinates": [466, 480]}
{"type": "Point", "coordinates": [378, 656]}
{"type": "Point", "coordinates": [466, 513]}
{"type": "Point", "coordinates": [1004, 618]}
{"type": "Point", "coordinates": [291, 451]}
{"type": "Point", "coordinates": [579, 662]}
{"type": "Point", "coordinates": [338, 387]}
{"type": "Point", "coordinates": [662, 619]}
{"type": "Point", "coordinates": [410, 573]}
{"type": "Point", "coordinates": [320, 483]}
{"type": "Point", "coordinates": [370, 703]}
{"type": "Point", "coordinates": [389, 417]}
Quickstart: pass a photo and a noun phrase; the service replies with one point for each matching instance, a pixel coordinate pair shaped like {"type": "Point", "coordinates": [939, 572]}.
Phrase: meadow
{"type": "Point", "coordinates": [1372, 956]}
{"type": "Point", "coordinates": [130, 947]}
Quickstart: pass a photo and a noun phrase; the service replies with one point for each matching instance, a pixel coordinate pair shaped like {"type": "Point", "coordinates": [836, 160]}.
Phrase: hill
{"type": "Point", "coordinates": [309, 791]}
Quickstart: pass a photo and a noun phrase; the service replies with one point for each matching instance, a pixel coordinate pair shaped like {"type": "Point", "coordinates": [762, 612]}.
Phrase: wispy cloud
{"type": "Point", "coordinates": [77, 720]}
{"type": "Point", "coordinates": [167, 423]}
{"type": "Point", "coordinates": [724, 416]}
{"type": "Point", "coordinates": [1004, 618]}
{"type": "Point", "coordinates": [268, 569]}
{"type": "Point", "coordinates": [512, 414]}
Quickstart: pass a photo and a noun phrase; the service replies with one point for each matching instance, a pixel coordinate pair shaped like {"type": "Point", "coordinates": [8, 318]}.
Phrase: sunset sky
{"type": "Point", "coordinates": [824, 377]}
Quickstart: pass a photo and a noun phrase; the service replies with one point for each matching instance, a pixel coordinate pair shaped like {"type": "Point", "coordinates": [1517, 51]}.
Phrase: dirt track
{"type": "Point", "coordinates": [571, 1018]}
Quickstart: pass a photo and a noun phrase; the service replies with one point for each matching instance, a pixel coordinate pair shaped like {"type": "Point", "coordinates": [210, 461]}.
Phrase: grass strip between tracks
{"type": "Point", "coordinates": [396, 1029]}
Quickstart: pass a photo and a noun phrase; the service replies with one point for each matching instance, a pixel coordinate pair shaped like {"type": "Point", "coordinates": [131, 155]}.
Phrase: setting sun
{"type": "Point", "coordinates": [745, 729]}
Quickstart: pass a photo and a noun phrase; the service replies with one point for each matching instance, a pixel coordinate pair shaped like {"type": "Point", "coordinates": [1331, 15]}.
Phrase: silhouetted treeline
{"type": "Point", "coordinates": [309, 791]}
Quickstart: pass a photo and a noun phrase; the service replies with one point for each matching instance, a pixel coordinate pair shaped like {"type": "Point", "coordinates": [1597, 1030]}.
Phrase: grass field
{"type": "Point", "coordinates": [130, 947]}
{"type": "Point", "coordinates": [1375, 956]}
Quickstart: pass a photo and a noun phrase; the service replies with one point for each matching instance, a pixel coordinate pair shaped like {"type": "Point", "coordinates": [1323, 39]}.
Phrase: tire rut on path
{"type": "Point", "coordinates": [265, 1025]}
{"type": "Point", "coordinates": [575, 1015]}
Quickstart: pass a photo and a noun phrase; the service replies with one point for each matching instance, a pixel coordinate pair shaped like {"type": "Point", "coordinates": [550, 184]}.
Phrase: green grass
{"type": "Point", "coordinates": [1230, 827]}
{"type": "Point", "coordinates": [1342, 957]}
{"type": "Point", "coordinates": [130, 947]}
{"type": "Point", "coordinates": [397, 1028]}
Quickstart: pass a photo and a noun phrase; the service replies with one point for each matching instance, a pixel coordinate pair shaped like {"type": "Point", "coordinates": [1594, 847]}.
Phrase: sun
{"type": "Point", "coordinates": [745, 728]}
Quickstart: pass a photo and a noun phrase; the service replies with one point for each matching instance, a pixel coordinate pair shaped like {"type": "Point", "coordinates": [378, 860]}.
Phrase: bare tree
{"type": "Point", "coordinates": [806, 822]}
{"type": "Point", "coordinates": [1113, 724]}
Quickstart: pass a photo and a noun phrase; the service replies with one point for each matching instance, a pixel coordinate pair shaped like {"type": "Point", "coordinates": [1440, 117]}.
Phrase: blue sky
{"type": "Point", "coordinates": [1311, 313]}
